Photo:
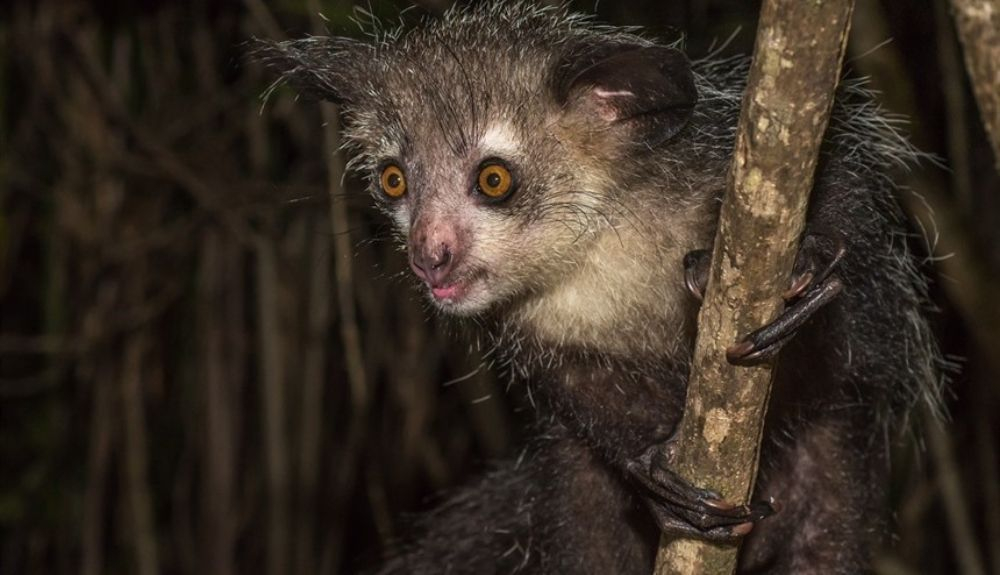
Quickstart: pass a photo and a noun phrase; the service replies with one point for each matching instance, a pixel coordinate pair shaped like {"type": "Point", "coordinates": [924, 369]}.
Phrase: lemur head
{"type": "Point", "coordinates": [499, 139]}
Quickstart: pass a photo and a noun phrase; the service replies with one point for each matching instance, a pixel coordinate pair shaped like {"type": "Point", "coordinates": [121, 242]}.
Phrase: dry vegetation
{"type": "Point", "coordinates": [210, 360]}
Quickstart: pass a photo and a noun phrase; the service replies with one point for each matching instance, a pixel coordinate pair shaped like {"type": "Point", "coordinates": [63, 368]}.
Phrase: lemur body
{"type": "Point", "coordinates": [548, 176]}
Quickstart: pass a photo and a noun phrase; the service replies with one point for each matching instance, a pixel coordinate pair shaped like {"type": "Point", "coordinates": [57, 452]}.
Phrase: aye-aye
{"type": "Point", "coordinates": [559, 181]}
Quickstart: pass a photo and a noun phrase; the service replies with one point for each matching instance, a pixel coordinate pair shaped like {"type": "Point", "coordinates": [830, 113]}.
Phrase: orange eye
{"type": "Point", "coordinates": [495, 181]}
{"type": "Point", "coordinates": [393, 181]}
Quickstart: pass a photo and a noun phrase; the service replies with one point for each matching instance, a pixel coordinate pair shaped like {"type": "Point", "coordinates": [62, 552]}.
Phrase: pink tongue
{"type": "Point", "coordinates": [445, 292]}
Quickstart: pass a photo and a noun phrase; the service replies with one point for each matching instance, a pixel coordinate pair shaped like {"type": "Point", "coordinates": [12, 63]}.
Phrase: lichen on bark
{"type": "Point", "coordinates": [797, 60]}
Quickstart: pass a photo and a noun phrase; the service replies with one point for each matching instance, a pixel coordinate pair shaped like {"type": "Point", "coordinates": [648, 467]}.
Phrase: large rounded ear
{"type": "Point", "coordinates": [323, 67]}
{"type": "Point", "coordinates": [648, 90]}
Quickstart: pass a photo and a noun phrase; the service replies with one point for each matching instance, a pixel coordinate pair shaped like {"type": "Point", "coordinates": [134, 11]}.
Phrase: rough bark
{"type": "Point", "coordinates": [797, 59]}
{"type": "Point", "coordinates": [978, 23]}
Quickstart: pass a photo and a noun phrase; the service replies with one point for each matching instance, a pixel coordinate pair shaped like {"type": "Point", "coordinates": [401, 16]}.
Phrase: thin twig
{"type": "Point", "coordinates": [219, 449]}
{"type": "Point", "coordinates": [949, 479]}
{"type": "Point", "coordinates": [272, 370]}
{"type": "Point", "coordinates": [136, 461]}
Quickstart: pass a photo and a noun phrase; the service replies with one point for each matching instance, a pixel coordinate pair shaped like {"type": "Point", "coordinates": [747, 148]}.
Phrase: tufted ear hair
{"type": "Point", "coordinates": [646, 89]}
{"type": "Point", "coordinates": [323, 67]}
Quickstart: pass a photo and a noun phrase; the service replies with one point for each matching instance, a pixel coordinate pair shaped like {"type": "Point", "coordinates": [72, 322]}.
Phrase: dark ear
{"type": "Point", "coordinates": [323, 67]}
{"type": "Point", "coordinates": [648, 89]}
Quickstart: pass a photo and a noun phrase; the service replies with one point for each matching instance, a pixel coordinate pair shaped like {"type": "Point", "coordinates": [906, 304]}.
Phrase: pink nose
{"type": "Point", "coordinates": [434, 251]}
{"type": "Point", "coordinates": [433, 265]}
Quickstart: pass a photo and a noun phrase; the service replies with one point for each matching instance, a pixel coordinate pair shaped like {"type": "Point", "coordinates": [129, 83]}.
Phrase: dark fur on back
{"type": "Point", "coordinates": [585, 306]}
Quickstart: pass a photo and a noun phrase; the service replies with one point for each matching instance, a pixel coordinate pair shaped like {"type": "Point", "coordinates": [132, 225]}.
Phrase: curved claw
{"type": "Point", "coordinates": [763, 344]}
{"type": "Point", "coordinates": [697, 265]}
{"type": "Point", "coordinates": [799, 286]}
{"type": "Point", "coordinates": [814, 284]}
{"type": "Point", "coordinates": [819, 254]}
{"type": "Point", "coordinates": [683, 509]}
{"type": "Point", "coordinates": [672, 525]}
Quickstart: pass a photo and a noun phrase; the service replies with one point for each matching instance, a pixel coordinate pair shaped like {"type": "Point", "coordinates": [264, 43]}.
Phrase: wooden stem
{"type": "Point", "coordinates": [797, 59]}
{"type": "Point", "coordinates": [978, 23]}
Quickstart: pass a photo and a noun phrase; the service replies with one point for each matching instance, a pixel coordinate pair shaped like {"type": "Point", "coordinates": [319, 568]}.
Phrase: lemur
{"type": "Point", "coordinates": [558, 181]}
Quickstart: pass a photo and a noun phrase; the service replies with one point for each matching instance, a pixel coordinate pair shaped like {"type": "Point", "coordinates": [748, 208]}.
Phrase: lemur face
{"type": "Point", "coordinates": [497, 154]}
{"type": "Point", "coordinates": [492, 221]}
{"type": "Point", "coordinates": [465, 212]}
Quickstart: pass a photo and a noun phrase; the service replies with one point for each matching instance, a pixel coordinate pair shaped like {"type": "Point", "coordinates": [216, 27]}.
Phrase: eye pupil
{"type": "Point", "coordinates": [393, 181]}
{"type": "Point", "coordinates": [495, 181]}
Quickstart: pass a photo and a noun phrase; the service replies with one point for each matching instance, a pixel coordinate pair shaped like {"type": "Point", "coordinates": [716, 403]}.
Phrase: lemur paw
{"type": "Point", "coordinates": [684, 510]}
{"type": "Point", "coordinates": [814, 284]}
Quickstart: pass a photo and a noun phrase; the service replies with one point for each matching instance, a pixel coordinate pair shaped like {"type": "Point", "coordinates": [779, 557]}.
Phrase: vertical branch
{"type": "Point", "coordinates": [137, 457]}
{"type": "Point", "coordinates": [314, 360]}
{"type": "Point", "coordinates": [958, 255]}
{"type": "Point", "coordinates": [970, 278]}
{"type": "Point", "coordinates": [218, 285]}
{"type": "Point", "coordinates": [960, 525]}
{"type": "Point", "coordinates": [990, 472]}
{"type": "Point", "coordinates": [102, 427]}
{"type": "Point", "coordinates": [272, 399]}
{"type": "Point", "coordinates": [953, 89]}
{"type": "Point", "coordinates": [796, 66]}
{"type": "Point", "coordinates": [350, 333]}
{"type": "Point", "coordinates": [978, 23]}
{"type": "Point", "coordinates": [97, 468]}
{"type": "Point", "coordinates": [340, 221]}
{"type": "Point", "coordinates": [112, 225]}
{"type": "Point", "coordinates": [219, 449]}
{"type": "Point", "coordinates": [273, 369]}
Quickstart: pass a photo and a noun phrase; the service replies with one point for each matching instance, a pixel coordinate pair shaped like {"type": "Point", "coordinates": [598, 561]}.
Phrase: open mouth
{"type": "Point", "coordinates": [450, 291]}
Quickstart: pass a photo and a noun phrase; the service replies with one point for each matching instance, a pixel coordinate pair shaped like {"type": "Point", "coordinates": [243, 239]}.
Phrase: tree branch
{"type": "Point", "coordinates": [978, 23]}
{"type": "Point", "coordinates": [797, 59]}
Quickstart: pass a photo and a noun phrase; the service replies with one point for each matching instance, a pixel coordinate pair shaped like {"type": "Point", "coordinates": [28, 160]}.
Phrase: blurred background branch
{"type": "Point", "coordinates": [211, 359]}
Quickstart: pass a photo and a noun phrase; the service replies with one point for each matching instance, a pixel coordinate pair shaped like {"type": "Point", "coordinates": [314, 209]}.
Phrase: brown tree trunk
{"type": "Point", "coordinates": [799, 50]}
{"type": "Point", "coordinates": [978, 23]}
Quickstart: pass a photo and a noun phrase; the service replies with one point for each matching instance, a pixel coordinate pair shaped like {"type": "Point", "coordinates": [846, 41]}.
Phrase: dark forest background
{"type": "Point", "coordinates": [209, 362]}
